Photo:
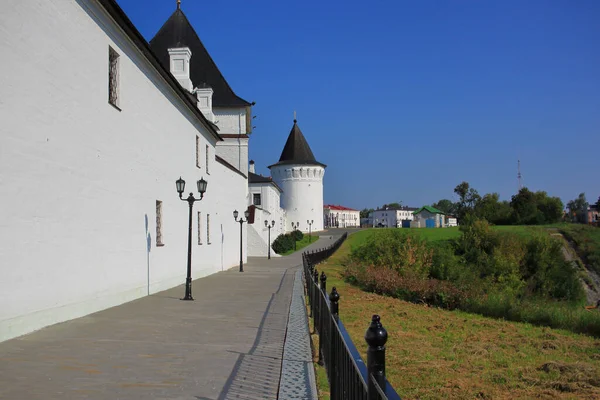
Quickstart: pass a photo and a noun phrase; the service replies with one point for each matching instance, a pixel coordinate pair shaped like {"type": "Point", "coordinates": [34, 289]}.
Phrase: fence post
{"type": "Point", "coordinates": [323, 314]}
{"type": "Point", "coordinates": [334, 298]}
{"type": "Point", "coordinates": [315, 312]}
{"type": "Point", "coordinates": [376, 337]}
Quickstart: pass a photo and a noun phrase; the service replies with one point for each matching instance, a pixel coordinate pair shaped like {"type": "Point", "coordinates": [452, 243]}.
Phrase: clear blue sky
{"type": "Point", "coordinates": [403, 100]}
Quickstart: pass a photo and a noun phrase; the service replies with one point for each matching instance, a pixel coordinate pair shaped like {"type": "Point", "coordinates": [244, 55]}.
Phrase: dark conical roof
{"type": "Point", "coordinates": [297, 150]}
{"type": "Point", "coordinates": [178, 32]}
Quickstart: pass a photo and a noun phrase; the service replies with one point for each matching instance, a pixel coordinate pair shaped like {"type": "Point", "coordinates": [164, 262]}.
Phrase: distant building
{"type": "Point", "coordinates": [451, 221]}
{"type": "Point", "coordinates": [428, 217]}
{"type": "Point", "coordinates": [593, 214]}
{"type": "Point", "coordinates": [392, 217]}
{"type": "Point", "coordinates": [340, 217]}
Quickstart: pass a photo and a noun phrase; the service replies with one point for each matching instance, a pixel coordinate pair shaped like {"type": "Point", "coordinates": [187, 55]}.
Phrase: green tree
{"type": "Point", "coordinates": [468, 198]}
{"type": "Point", "coordinates": [493, 210]}
{"type": "Point", "coordinates": [524, 205]}
{"type": "Point", "coordinates": [392, 206]}
{"type": "Point", "coordinates": [446, 206]}
{"type": "Point", "coordinates": [364, 213]}
{"type": "Point", "coordinates": [551, 208]}
{"type": "Point", "coordinates": [577, 208]}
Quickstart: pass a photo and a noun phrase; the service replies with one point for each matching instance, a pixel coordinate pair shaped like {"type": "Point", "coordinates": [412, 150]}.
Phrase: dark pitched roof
{"type": "Point", "coordinates": [178, 32]}
{"type": "Point", "coordinates": [297, 150]}
{"type": "Point", "coordinates": [255, 178]}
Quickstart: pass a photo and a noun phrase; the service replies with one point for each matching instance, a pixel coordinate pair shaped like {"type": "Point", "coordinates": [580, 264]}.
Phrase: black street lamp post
{"type": "Point", "coordinates": [310, 229]}
{"type": "Point", "coordinates": [180, 184]}
{"type": "Point", "coordinates": [269, 227]}
{"type": "Point", "coordinates": [241, 221]}
{"type": "Point", "coordinates": [295, 228]}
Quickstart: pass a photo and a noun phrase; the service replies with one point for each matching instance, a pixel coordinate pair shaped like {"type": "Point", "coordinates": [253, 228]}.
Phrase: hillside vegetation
{"type": "Point", "coordinates": [515, 273]}
{"type": "Point", "coordinates": [434, 353]}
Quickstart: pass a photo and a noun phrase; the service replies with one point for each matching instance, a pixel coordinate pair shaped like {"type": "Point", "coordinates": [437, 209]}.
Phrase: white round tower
{"type": "Point", "coordinates": [300, 176]}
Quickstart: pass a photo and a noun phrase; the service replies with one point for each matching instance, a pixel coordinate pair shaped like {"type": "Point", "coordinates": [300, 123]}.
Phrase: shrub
{"type": "Point", "coordinates": [297, 235]}
{"type": "Point", "coordinates": [403, 252]}
{"type": "Point", "coordinates": [283, 243]}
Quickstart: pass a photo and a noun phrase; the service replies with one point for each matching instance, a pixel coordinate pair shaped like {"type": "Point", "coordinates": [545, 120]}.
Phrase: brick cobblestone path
{"type": "Point", "coordinates": [227, 344]}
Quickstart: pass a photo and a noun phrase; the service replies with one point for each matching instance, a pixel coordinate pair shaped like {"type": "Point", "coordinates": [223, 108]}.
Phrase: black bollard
{"type": "Point", "coordinates": [376, 337]}
{"type": "Point", "coordinates": [334, 298]}
{"type": "Point", "coordinates": [324, 282]}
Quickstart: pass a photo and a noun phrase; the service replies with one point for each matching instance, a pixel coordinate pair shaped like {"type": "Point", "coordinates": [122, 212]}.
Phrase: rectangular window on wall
{"type": "Point", "coordinates": [197, 151]}
{"type": "Point", "coordinates": [207, 228]}
{"type": "Point", "coordinates": [207, 158]}
{"type": "Point", "coordinates": [256, 199]}
{"type": "Point", "coordinates": [199, 228]}
{"type": "Point", "coordinates": [113, 77]}
{"type": "Point", "coordinates": [159, 234]}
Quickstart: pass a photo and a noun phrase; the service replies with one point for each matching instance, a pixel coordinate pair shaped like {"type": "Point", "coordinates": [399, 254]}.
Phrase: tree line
{"type": "Point", "coordinates": [524, 208]}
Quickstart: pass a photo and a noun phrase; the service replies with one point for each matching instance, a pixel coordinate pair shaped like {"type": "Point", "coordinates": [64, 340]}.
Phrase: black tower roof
{"type": "Point", "coordinates": [178, 32]}
{"type": "Point", "coordinates": [297, 150]}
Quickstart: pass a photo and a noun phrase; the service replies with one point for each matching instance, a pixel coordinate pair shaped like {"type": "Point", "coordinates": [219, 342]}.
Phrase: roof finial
{"type": "Point", "coordinates": [179, 4]}
{"type": "Point", "coordinates": [294, 116]}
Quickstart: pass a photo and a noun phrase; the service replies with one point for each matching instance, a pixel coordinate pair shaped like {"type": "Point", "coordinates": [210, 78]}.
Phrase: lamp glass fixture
{"type": "Point", "coordinates": [266, 222]}
{"type": "Point", "coordinates": [202, 186]}
{"type": "Point", "coordinates": [235, 214]}
{"type": "Point", "coordinates": [246, 214]}
{"type": "Point", "coordinates": [180, 184]}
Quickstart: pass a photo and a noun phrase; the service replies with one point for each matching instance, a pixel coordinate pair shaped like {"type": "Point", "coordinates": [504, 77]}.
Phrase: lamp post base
{"type": "Point", "coordinates": [188, 290]}
{"type": "Point", "coordinates": [241, 266]}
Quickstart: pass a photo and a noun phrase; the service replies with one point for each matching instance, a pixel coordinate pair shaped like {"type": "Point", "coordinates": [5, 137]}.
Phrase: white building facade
{"type": "Point", "coordinates": [392, 217]}
{"type": "Point", "coordinates": [265, 198]}
{"type": "Point", "coordinates": [340, 217]}
{"type": "Point", "coordinates": [95, 131]}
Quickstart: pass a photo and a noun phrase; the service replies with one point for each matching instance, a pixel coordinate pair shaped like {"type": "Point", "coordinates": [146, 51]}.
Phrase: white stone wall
{"type": "Point", "coordinates": [231, 120]}
{"type": "Point", "coordinates": [302, 197]}
{"type": "Point", "coordinates": [79, 179]}
{"type": "Point", "coordinates": [235, 152]}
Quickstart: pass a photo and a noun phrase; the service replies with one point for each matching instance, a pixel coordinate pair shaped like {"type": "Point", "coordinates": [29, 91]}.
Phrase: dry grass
{"type": "Point", "coordinates": [434, 353]}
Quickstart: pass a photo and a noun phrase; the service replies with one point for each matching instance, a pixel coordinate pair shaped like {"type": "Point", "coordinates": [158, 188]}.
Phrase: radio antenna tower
{"type": "Point", "coordinates": [519, 176]}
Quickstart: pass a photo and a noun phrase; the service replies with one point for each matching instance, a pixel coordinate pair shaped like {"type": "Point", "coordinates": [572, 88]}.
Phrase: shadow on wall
{"type": "Point", "coordinates": [148, 247]}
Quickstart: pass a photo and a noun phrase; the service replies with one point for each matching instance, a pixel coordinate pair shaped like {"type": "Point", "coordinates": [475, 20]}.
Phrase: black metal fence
{"type": "Point", "coordinates": [349, 377]}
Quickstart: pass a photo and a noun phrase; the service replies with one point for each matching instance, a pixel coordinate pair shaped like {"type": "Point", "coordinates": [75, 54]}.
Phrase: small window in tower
{"type": "Point", "coordinates": [207, 158]}
{"type": "Point", "coordinates": [113, 77]}
{"type": "Point", "coordinates": [197, 151]}
{"type": "Point", "coordinates": [256, 199]}
{"type": "Point", "coordinates": [207, 228]}
{"type": "Point", "coordinates": [159, 233]}
{"type": "Point", "coordinates": [199, 227]}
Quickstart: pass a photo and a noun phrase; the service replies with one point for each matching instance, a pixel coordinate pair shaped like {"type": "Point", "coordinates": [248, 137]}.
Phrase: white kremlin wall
{"type": "Point", "coordinates": [79, 179]}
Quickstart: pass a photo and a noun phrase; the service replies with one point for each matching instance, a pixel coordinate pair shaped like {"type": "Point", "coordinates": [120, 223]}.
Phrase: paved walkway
{"type": "Point", "coordinates": [228, 344]}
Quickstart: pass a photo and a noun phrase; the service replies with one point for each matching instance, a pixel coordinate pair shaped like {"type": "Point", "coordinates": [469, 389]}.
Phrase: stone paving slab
{"type": "Point", "coordinates": [297, 372]}
{"type": "Point", "coordinates": [228, 344]}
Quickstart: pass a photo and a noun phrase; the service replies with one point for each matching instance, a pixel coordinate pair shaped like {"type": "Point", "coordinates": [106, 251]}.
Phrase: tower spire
{"type": "Point", "coordinates": [295, 116]}
{"type": "Point", "coordinates": [179, 4]}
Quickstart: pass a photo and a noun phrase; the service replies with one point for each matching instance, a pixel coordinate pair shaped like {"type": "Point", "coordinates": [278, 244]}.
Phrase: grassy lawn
{"type": "Point", "coordinates": [300, 244]}
{"type": "Point", "coordinates": [434, 353]}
